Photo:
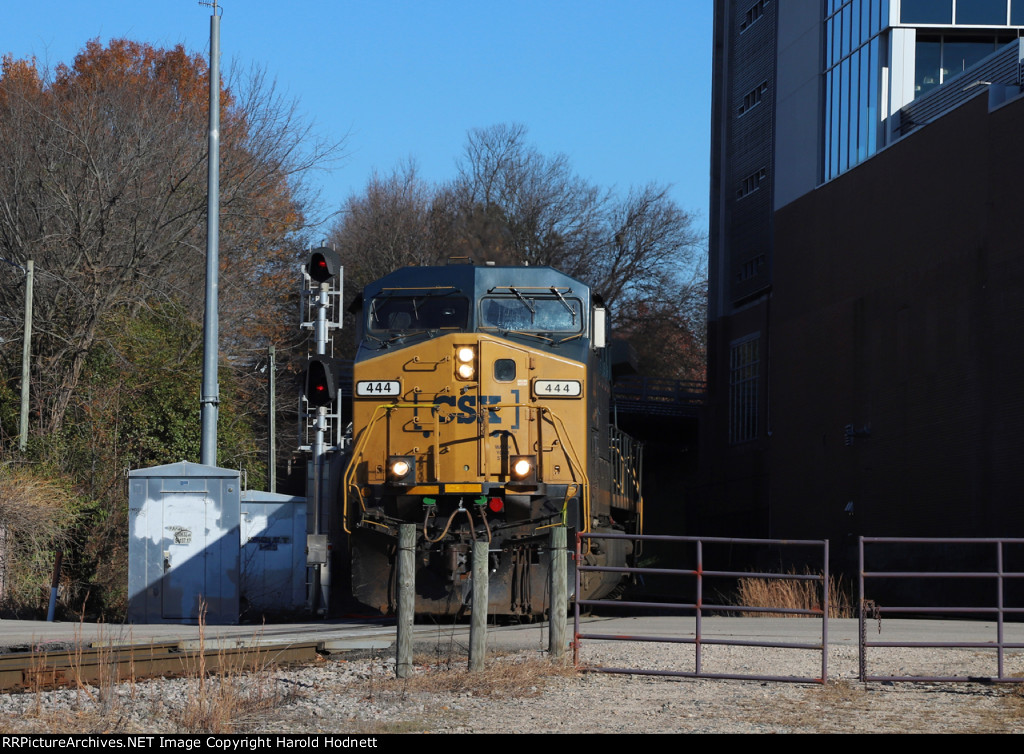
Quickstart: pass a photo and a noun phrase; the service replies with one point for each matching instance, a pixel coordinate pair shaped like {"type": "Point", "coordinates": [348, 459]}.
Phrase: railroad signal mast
{"type": "Point", "coordinates": [320, 410]}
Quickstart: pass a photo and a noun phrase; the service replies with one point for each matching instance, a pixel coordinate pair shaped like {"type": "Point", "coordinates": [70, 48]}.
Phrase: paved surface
{"type": "Point", "coordinates": [342, 635]}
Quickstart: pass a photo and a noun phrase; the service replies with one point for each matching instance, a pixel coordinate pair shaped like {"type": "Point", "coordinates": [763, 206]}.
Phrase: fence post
{"type": "Point", "coordinates": [559, 594]}
{"type": "Point", "coordinates": [481, 599]}
{"type": "Point", "coordinates": [406, 598]}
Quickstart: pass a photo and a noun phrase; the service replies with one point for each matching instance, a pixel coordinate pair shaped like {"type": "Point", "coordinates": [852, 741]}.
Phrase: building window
{"type": "Point", "coordinates": [751, 268]}
{"type": "Point", "coordinates": [853, 74]}
{"type": "Point", "coordinates": [926, 11]}
{"type": "Point", "coordinates": [753, 98]}
{"type": "Point", "coordinates": [751, 183]}
{"type": "Point", "coordinates": [755, 12]}
{"type": "Point", "coordinates": [939, 58]}
{"type": "Point", "coordinates": [1017, 13]}
{"type": "Point", "coordinates": [981, 12]}
{"type": "Point", "coordinates": [960, 12]}
{"type": "Point", "coordinates": [744, 362]}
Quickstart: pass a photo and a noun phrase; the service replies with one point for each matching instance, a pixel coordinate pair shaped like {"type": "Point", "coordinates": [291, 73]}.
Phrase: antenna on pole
{"type": "Point", "coordinates": [209, 400]}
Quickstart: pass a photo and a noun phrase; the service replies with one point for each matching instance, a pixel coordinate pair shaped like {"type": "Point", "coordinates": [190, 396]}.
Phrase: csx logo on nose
{"type": "Point", "coordinates": [464, 408]}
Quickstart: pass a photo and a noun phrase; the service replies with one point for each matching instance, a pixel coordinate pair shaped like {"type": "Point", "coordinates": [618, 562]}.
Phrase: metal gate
{"type": "Point", "coordinates": [926, 577]}
{"type": "Point", "coordinates": [696, 578]}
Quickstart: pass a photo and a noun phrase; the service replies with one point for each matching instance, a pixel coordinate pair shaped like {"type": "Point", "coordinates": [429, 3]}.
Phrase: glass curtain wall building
{"type": "Point", "coordinates": [881, 54]}
{"type": "Point", "coordinates": [806, 91]}
{"type": "Point", "coordinates": [854, 49]}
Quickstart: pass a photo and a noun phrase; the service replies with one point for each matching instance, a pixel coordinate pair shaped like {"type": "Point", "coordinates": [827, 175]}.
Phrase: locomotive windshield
{"type": "Point", "coordinates": [526, 312]}
{"type": "Point", "coordinates": [431, 311]}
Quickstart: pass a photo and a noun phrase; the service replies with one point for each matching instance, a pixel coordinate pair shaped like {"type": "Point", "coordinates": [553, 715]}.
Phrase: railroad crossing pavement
{"type": "Point", "coordinates": [338, 636]}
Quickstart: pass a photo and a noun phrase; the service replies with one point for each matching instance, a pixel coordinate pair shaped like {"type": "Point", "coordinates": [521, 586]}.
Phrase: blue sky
{"type": "Point", "coordinates": [621, 87]}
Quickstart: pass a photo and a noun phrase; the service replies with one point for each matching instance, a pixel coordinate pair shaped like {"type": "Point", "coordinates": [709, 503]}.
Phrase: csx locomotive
{"type": "Point", "coordinates": [481, 411]}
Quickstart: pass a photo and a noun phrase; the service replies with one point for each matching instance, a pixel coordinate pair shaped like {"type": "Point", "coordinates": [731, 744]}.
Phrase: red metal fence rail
{"type": "Point", "coordinates": [997, 575]}
{"type": "Point", "coordinates": [699, 607]}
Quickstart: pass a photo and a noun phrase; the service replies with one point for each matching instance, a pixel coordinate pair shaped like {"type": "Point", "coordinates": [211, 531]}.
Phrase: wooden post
{"type": "Point", "coordinates": [481, 599]}
{"type": "Point", "coordinates": [406, 598]}
{"type": "Point", "coordinates": [559, 594]}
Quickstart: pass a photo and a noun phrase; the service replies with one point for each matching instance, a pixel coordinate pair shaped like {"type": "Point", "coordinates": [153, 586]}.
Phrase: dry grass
{"type": "Point", "coordinates": [792, 594]}
{"type": "Point", "coordinates": [220, 700]}
{"type": "Point", "coordinates": [505, 675]}
{"type": "Point", "coordinates": [35, 517]}
{"type": "Point", "coordinates": [224, 700]}
{"type": "Point", "coordinates": [445, 682]}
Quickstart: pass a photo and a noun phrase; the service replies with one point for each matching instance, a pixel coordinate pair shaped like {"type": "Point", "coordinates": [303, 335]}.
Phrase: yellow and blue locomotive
{"type": "Point", "coordinates": [480, 410]}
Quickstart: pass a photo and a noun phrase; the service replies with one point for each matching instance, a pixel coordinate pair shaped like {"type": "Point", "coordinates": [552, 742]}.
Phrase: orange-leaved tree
{"type": "Point", "coordinates": [103, 167]}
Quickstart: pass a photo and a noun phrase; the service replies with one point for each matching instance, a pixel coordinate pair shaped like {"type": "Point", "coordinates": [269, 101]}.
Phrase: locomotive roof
{"type": "Point", "coordinates": [477, 281]}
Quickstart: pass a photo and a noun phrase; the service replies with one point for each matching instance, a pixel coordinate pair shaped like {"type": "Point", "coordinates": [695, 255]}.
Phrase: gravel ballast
{"type": "Point", "coordinates": [359, 694]}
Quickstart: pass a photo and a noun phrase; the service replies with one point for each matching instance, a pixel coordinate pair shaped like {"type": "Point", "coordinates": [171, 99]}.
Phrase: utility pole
{"type": "Point", "coordinates": [26, 356]}
{"type": "Point", "coordinates": [271, 421]}
{"type": "Point", "coordinates": [209, 401]}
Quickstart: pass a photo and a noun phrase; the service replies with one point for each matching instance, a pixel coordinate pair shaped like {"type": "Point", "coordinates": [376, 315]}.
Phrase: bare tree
{"type": "Point", "coordinates": [398, 220]}
{"type": "Point", "coordinates": [628, 248]}
{"type": "Point", "coordinates": [525, 206]}
{"type": "Point", "coordinates": [513, 205]}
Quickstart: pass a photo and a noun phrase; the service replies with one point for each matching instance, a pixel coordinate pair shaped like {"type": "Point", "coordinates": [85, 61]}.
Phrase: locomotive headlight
{"type": "Point", "coordinates": [523, 469]}
{"type": "Point", "coordinates": [402, 470]}
{"type": "Point", "coordinates": [466, 363]}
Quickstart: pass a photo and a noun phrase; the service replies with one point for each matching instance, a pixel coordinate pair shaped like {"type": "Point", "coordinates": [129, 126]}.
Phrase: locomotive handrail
{"type": "Point", "coordinates": [381, 410]}
{"type": "Point", "coordinates": [360, 445]}
{"type": "Point", "coordinates": [567, 443]}
{"type": "Point", "coordinates": [640, 496]}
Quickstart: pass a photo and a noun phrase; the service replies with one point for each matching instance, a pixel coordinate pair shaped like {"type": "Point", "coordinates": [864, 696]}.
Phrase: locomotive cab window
{"type": "Point", "coordinates": [526, 312]}
{"type": "Point", "coordinates": [425, 312]}
{"type": "Point", "coordinates": [505, 370]}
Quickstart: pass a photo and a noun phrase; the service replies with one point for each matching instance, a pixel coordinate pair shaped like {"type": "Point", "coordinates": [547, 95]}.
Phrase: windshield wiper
{"type": "Point", "coordinates": [518, 295]}
{"type": "Point", "coordinates": [530, 334]}
{"type": "Point", "coordinates": [402, 335]}
{"type": "Point", "coordinates": [565, 303]}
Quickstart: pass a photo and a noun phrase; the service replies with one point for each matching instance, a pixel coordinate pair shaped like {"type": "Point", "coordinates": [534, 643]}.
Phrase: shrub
{"type": "Point", "coordinates": [36, 516]}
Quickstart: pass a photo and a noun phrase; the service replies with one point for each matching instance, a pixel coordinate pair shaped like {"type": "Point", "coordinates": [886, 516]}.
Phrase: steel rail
{"type": "Point", "coordinates": [43, 669]}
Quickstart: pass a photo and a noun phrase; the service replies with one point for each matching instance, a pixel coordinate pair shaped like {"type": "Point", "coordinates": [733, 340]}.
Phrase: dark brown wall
{"type": "Point", "coordinates": [898, 307]}
{"type": "Point", "coordinates": [733, 489]}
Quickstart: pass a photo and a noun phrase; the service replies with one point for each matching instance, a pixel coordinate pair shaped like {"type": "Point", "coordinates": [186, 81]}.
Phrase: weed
{"type": "Point", "coordinates": [514, 676]}
{"type": "Point", "coordinates": [36, 515]}
{"type": "Point", "coordinates": [791, 593]}
{"type": "Point", "coordinates": [230, 696]}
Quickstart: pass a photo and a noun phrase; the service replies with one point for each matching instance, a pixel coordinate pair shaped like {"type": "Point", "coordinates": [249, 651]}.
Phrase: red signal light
{"type": "Point", "coordinates": [321, 381]}
{"type": "Point", "coordinates": [323, 265]}
{"type": "Point", "coordinates": [496, 505]}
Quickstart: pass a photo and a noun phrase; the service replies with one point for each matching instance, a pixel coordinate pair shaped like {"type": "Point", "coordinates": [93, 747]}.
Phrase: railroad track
{"type": "Point", "coordinates": [38, 670]}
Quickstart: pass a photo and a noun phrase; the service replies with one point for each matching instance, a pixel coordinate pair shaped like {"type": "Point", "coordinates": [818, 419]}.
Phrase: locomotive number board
{"type": "Point", "coordinates": [557, 388]}
{"type": "Point", "coordinates": [378, 387]}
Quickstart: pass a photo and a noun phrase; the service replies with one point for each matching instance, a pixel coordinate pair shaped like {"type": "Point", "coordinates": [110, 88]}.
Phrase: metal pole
{"type": "Point", "coordinates": [577, 562]}
{"type": "Point", "coordinates": [559, 594]}
{"type": "Point", "coordinates": [406, 598]}
{"type": "Point", "coordinates": [824, 620]}
{"type": "Point", "coordinates": [271, 422]}
{"type": "Point", "coordinates": [320, 483]}
{"type": "Point", "coordinates": [54, 584]}
{"type": "Point", "coordinates": [862, 626]}
{"type": "Point", "coordinates": [210, 399]}
{"type": "Point", "coordinates": [26, 357]}
{"type": "Point", "coordinates": [481, 600]}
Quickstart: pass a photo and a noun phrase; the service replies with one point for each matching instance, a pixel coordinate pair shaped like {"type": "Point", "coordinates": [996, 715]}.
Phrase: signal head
{"type": "Point", "coordinates": [324, 264]}
{"type": "Point", "coordinates": [321, 381]}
